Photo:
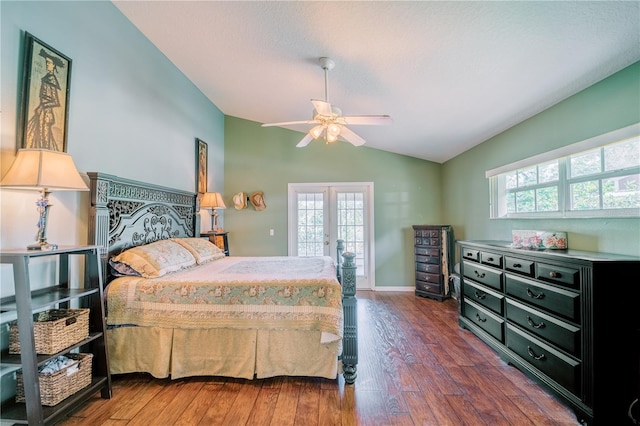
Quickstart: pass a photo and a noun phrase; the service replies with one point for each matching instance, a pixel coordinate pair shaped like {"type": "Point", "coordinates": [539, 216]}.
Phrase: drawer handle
{"type": "Point", "coordinates": [517, 265]}
{"type": "Point", "coordinates": [554, 274]}
{"type": "Point", "coordinates": [469, 254]}
{"type": "Point", "coordinates": [535, 296]}
{"type": "Point", "coordinates": [533, 355]}
{"type": "Point", "coordinates": [480, 319]}
{"type": "Point", "coordinates": [534, 325]}
{"type": "Point", "coordinates": [479, 275]}
{"type": "Point", "coordinates": [479, 296]}
{"type": "Point", "coordinates": [489, 259]}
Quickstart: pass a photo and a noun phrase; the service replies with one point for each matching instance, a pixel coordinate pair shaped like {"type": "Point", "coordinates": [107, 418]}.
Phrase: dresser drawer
{"type": "Point", "coordinates": [432, 268]}
{"type": "Point", "coordinates": [552, 299]}
{"type": "Point", "coordinates": [560, 333]}
{"type": "Point", "coordinates": [558, 275]}
{"type": "Point", "coordinates": [424, 276]}
{"type": "Point", "coordinates": [491, 259]}
{"type": "Point", "coordinates": [559, 367]}
{"type": "Point", "coordinates": [427, 233]}
{"type": "Point", "coordinates": [521, 266]}
{"type": "Point", "coordinates": [428, 240]}
{"type": "Point", "coordinates": [487, 276]}
{"type": "Point", "coordinates": [484, 297]}
{"type": "Point", "coordinates": [426, 251]}
{"type": "Point", "coordinates": [471, 254]}
{"type": "Point", "coordinates": [427, 259]}
{"type": "Point", "coordinates": [484, 319]}
{"type": "Point", "coordinates": [429, 287]}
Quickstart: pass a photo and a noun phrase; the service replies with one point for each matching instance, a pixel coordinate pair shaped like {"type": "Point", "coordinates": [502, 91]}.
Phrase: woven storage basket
{"type": "Point", "coordinates": [54, 387]}
{"type": "Point", "coordinates": [54, 330]}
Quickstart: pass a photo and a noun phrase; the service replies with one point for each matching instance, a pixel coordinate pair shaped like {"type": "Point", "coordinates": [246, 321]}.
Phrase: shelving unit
{"type": "Point", "coordinates": [26, 302]}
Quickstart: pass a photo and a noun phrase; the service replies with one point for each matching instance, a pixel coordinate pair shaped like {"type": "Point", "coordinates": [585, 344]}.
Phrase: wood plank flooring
{"type": "Point", "coordinates": [416, 367]}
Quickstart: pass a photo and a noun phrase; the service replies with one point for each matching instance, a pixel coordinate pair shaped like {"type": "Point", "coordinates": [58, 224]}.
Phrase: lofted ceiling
{"type": "Point", "coordinates": [451, 74]}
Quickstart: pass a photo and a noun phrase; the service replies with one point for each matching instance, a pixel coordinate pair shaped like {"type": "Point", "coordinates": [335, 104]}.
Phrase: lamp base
{"type": "Point", "coordinates": [44, 246]}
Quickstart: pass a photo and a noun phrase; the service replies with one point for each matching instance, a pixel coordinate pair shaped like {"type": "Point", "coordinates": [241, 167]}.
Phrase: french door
{"type": "Point", "coordinates": [322, 213]}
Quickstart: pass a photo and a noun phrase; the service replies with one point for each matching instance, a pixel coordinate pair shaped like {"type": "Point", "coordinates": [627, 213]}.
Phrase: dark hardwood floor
{"type": "Point", "coordinates": [416, 367]}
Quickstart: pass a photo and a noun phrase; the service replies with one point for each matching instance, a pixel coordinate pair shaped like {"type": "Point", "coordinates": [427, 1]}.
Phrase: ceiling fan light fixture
{"type": "Point", "coordinates": [316, 131]}
{"type": "Point", "coordinates": [333, 129]}
{"type": "Point", "coordinates": [328, 119]}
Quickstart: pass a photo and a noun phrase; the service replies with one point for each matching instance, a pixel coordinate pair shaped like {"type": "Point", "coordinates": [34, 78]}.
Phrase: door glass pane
{"type": "Point", "coordinates": [310, 224]}
{"type": "Point", "coordinates": [351, 224]}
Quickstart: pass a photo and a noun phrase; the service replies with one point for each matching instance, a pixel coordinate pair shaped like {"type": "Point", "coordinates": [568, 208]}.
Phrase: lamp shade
{"type": "Point", "coordinates": [212, 200]}
{"type": "Point", "coordinates": [43, 169]}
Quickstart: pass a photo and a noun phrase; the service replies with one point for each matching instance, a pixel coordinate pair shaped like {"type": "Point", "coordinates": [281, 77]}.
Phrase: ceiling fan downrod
{"type": "Point", "coordinates": [327, 65]}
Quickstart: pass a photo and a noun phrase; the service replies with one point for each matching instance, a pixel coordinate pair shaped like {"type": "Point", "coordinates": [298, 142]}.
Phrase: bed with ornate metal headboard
{"type": "Point", "coordinates": [207, 318]}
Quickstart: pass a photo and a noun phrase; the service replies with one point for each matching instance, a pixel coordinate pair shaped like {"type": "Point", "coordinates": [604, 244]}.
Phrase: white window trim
{"type": "Point", "coordinates": [566, 151]}
{"type": "Point", "coordinates": [594, 142]}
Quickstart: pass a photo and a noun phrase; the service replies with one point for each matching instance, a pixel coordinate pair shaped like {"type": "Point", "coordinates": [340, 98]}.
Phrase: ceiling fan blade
{"type": "Point", "coordinates": [305, 141]}
{"type": "Point", "coordinates": [371, 120]}
{"type": "Point", "coordinates": [287, 123]}
{"type": "Point", "coordinates": [351, 137]}
{"type": "Point", "coordinates": [322, 107]}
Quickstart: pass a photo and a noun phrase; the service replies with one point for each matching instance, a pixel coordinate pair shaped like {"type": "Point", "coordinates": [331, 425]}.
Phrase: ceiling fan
{"type": "Point", "coordinates": [329, 120]}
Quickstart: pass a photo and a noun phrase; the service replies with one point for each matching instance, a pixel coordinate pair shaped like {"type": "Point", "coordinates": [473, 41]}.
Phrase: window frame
{"type": "Point", "coordinates": [498, 191]}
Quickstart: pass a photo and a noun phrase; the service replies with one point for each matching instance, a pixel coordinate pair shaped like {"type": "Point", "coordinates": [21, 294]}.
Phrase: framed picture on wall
{"type": "Point", "coordinates": [45, 96]}
{"type": "Point", "coordinates": [201, 166]}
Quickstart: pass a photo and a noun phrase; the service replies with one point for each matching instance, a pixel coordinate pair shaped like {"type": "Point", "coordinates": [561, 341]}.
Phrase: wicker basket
{"type": "Point", "coordinates": [54, 330]}
{"type": "Point", "coordinates": [54, 387]}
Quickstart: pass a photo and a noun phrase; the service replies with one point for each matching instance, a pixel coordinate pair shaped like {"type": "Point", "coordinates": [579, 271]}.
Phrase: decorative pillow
{"type": "Point", "coordinates": [203, 250]}
{"type": "Point", "coordinates": [156, 259]}
{"type": "Point", "coordinates": [119, 269]}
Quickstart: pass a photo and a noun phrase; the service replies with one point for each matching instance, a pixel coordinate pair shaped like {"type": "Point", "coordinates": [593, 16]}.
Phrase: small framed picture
{"type": "Point", "coordinates": [202, 158]}
{"type": "Point", "coordinates": [45, 96]}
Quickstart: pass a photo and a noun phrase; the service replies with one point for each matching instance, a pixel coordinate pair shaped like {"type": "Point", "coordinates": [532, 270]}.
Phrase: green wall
{"type": "Point", "coordinates": [407, 191]}
{"type": "Point", "coordinates": [611, 104]}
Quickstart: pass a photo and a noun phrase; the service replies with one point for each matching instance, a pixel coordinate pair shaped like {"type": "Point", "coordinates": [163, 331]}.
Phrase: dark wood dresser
{"type": "Point", "coordinates": [434, 250]}
{"type": "Point", "coordinates": [566, 318]}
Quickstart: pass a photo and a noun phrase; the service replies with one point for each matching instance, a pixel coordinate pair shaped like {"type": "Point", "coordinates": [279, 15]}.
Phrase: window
{"type": "Point", "coordinates": [599, 177]}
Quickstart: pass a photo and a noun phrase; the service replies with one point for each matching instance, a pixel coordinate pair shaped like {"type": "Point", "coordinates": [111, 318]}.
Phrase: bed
{"type": "Point", "coordinates": [178, 307]}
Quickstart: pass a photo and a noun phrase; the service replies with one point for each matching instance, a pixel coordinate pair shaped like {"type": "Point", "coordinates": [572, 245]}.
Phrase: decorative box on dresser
{"type": "Point", "coordinates": [434, 249]}
{"type": "Point", "coordinates": [566, 318]}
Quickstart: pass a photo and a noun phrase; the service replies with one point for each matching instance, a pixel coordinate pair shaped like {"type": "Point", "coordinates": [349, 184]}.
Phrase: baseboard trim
{"type": "Point", "coordinates": [389, 288]}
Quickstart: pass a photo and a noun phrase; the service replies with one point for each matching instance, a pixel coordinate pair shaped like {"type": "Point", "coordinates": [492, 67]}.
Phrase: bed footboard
{"type": "Point", "coordinates": [346, 270]}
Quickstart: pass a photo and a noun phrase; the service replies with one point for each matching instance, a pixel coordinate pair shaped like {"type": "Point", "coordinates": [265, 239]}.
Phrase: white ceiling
{"type": "Point", "coordinates": [451, 74]}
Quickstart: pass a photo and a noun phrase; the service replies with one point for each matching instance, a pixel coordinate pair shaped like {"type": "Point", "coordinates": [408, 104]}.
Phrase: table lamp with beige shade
{"type": "Point", "coordinates": [47, 171]}
{"type": "Point", "coordinates": [213, 201]}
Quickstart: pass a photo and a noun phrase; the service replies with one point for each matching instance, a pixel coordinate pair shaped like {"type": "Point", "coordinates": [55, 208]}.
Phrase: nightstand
{"type": "Point", "coordinates": [219, 239]}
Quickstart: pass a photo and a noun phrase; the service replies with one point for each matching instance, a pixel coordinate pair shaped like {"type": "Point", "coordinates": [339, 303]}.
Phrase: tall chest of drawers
{"type": "Point", "coordinates": [434, 250]}
{"type": "Point", "coordinates": [566, 318]}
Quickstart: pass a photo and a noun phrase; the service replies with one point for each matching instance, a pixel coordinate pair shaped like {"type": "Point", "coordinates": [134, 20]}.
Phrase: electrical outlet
{"type": "Point", "coordinates": [271, 233]}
